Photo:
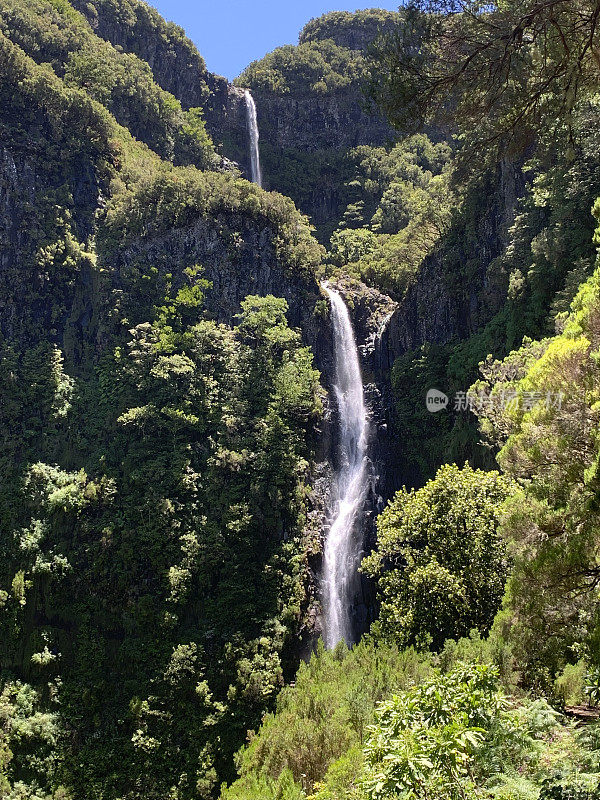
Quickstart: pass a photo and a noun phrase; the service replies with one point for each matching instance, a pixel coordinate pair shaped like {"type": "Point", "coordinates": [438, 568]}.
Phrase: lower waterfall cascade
{"type": "Point", "coordinates": [343, 543]}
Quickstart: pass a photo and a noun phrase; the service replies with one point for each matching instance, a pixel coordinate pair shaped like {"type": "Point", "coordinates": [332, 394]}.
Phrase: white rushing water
{"type": "Point", "coordinates": [253, 134]}
{"type": "Point", "coordinates": [344, 543]}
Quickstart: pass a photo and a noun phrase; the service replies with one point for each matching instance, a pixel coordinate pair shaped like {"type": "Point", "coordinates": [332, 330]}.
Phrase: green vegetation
{"type": "Point", "coordinates": [321, 68]}
{"type": "Point", "coordinates": [155, 462]}
{"type": "Point", "coordinates": [138, 28]}
{"type": "Point", "coordinates": [506, 559]}
{"type": "Point", "coordinates": [28, 742]}
{"type": "Point", "coordinates": [54, 33]}
{"type": "Point", "coordinates": [355, 31]}
{"type": "Point", "coordinates": [312, 156]}
{"type": "Point", "coordinates": [323, 720]}
{"type": "Point", "coordinates": [159, 657]}
{"type": "Point", "coordinates": [537, 266]}
{"type": "Point", "coordinates": [498, 71]}
{"type": "Point", "coordinates": [440, 563]}
{"type": "Point", "coordinates": [328, 57]}
{"type": "Point", "coordinates": [548, 439]}
{"type": "Point", "coordinates": [447, 729]}
{"type": "Point", "coordinates": [158, 411]}
{"type": "Point", "coordinates": [399, 202]}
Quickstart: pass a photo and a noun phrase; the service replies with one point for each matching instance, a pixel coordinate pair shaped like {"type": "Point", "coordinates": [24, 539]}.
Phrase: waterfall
{"type": "Point", "coordinates": [344, 543]}
{"type": "Point", "coordinates": [253, 134]}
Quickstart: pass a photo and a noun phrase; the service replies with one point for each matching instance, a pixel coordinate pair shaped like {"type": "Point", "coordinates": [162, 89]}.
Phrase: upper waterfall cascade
{"type": "Point", "coordinates": [253, 135]}
{"type": "Point", "coordinates": [343, 544]}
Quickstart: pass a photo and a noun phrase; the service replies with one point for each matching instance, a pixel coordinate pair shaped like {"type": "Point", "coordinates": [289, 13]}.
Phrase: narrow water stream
{"type": "Point", "coordinates": [253, 137]}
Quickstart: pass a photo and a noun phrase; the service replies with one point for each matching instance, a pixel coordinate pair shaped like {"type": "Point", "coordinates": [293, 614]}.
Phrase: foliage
{"type": "Point", "coordinates": [199, 463]}
{"type": "Point", "coordinates": [540, 262]}
{"type": "Point", "coordinates": [169, 199]}
{"type": "Point", "coordinates": [439, 563]}
{"type": "Point", "coordinates": [28, 743]}
{"type": "Point", "coordinates": [592, 687]}
{"type": "Point", "coordinates": [451, 733]}
{"type": "Point", "coordinates": [154, 462]}
{"type": "Point", "coordinates": [350, 245]}
{"type": "Point", "coordinates": [495, 295]}
{"type": "Point", "coordinates": [498, 70]}
{"type": "Point", "coordinates": [399, 205]}
{"type": "Point", "coordinates": [323, 717]}
{"type": "Point", "coordinates": [549, 445]}
{"type": "Point", "coordinates": [321, 67]}
{"type": "Point", "coordinates": [326, 73]}
{"type": "Point", "coordinates": [425, 741]}
{"type": "Point", "coordinates": [569, 685]}
{"type": "Point", "coordinates": [58, 35]}
{"type": "Point", "coordinates": [139, 29]}
{"type": "Point", "coordinates": [355, 31]}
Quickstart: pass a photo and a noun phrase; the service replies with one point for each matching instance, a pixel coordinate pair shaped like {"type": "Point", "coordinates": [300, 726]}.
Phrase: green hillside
{"type": "Point", "coordinates": [189, 417]}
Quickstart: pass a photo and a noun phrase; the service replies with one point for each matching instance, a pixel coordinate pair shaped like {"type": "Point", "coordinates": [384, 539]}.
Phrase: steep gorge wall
{"type": "Point", "coordinates": [238, 258]}
{"type": "Point", "coordinates": [306, 145]}
{"type": "Point", "coordinates": [336, 121]}
{"type": "Point", "coordinates": [298, 129]}
{"type": "Point", "coordinates": [176, 65]}
{"type": "Point", "coordinates": [175, 62]}
{"type": "Point", "coordinates": [237, 251]}
{"type": "Point", "coordinates": [457, 290]}
{"type": "Point", "coordinates": [460, 287]}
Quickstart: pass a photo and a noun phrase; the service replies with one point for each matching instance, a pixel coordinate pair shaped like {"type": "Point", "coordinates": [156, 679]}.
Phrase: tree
{"type": "Point", "coordinates": [440, 563]}
{"type": "Point", "coordinates": [550, 445]}
{"type": "Point", "coordinates": [499, 69]}
{"type": "Point", "coordinates": [348, 246]}
{"type": "Point", "coordinates": [28, 739]}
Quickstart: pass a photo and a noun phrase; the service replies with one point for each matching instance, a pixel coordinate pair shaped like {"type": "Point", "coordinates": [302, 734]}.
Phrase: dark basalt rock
{"type": "Point", "coordinates": [441, 305]}
{"type": "Point", "coordinates": [311, 122]}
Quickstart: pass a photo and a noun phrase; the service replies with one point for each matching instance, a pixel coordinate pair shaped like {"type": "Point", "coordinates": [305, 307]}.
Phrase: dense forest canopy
{"type": "Point", "coordinates": [168, 413]}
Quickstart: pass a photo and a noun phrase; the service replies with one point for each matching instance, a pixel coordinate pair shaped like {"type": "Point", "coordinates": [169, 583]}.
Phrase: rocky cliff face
{"type": "Point", "coordinates": [229, 127]}
{"type": "Point", "coordinates": [306, 147]}
{"type": "Point", "coordinates": [457, 290]}
{"type": "Point", "coordinates": [440, 306]}
{"type": "Point", "coordinates": [309, 123]}
{"type": "Point", "coordinates": [175, 62]}
{"type": "Point", "coordinates": [63, 273]}
{"type": "Point", "coordinates": [235, 266]}
{"type": "Point", "coordinates": [293, 127]}
{"type": "Point", "coordinates": [92, 244]}
{"type": "Point", "coordinates": [44, 261]}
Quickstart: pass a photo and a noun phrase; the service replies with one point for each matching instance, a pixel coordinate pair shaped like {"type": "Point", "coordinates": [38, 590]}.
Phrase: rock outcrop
{"type": "Point", "coordinates": [442, 304]}
{"type": "Point", "coordinates": [329, 122]}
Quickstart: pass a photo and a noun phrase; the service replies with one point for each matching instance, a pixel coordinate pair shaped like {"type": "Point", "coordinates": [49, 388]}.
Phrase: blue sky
{"type": "Point", "coordinates": [232, 33]}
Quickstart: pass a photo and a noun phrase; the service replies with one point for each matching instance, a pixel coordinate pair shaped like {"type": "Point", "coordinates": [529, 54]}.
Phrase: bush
{"type": "Point", "coordinates": [440, 563]}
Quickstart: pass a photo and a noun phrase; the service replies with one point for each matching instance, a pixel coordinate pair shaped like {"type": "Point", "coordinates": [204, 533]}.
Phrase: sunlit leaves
{"type": "Point", "coordinates": [440, 563]}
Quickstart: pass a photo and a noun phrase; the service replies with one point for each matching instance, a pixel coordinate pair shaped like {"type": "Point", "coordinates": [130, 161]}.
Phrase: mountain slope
{"type": "Point", "coordinates": [312, 113]}
{"type": "Point", "coordinates": [157, 431]}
